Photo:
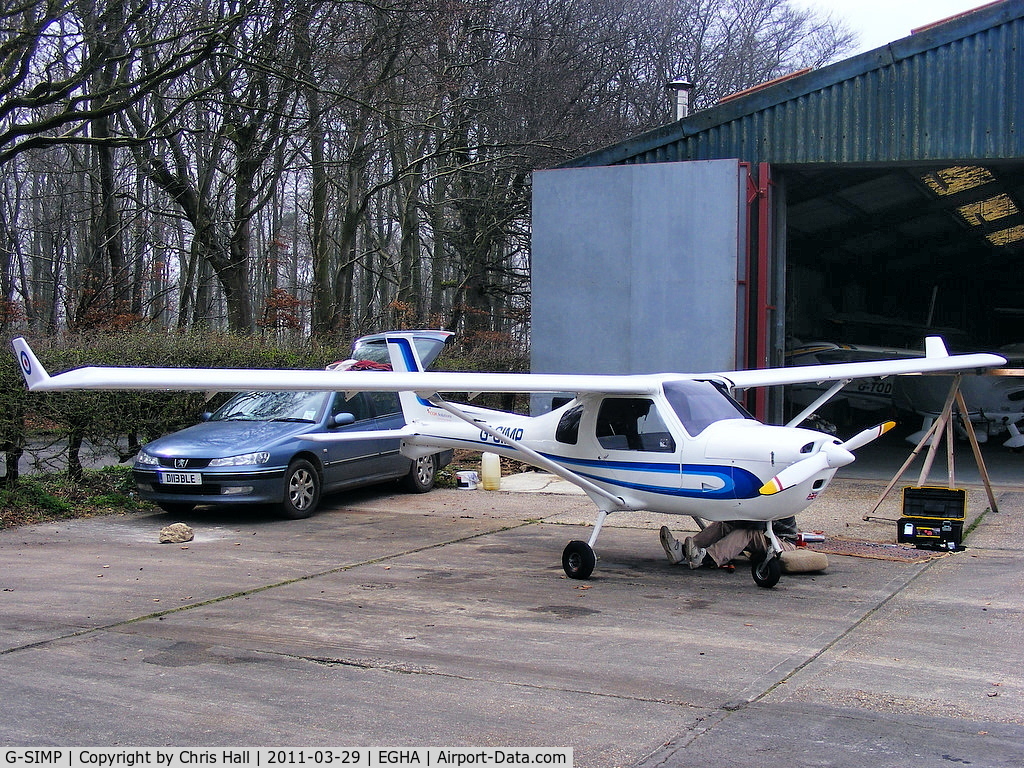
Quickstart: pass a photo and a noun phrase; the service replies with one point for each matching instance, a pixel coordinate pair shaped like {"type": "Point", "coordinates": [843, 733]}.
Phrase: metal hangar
{"type": "Point", "coordinates": [873, 201]}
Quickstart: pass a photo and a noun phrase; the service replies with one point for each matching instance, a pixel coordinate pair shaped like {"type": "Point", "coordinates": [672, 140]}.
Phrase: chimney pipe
{"type": "Point", "coordinates": [681, 89]}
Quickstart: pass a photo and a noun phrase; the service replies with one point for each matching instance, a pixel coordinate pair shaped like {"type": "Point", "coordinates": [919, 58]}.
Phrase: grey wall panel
{"type": "Point", "coordinates": [634, 268]}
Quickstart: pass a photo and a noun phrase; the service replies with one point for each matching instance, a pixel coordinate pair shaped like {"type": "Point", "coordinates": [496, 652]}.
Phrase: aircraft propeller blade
{"type": "Point", "coordinates": [830, 456]}
{"type": "Point", "coordinates": [863, 438]}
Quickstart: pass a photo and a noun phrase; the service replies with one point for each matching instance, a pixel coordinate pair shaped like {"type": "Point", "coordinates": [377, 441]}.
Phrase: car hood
{"type": "Point", "coordinates": [217, 439]}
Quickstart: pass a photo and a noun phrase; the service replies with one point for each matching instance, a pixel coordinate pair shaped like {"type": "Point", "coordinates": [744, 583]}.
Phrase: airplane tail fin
{"type": "Point", "coordinates": [934, 346]}
{"type": "Point", "coordinates": [33, 371]}
{"type": "Point", "coordinates": [405, 359]}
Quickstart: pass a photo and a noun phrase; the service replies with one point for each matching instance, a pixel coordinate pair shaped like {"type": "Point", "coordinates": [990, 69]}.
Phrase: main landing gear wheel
{"type": "Point", "coordinates": [578, 560]}
{"type": "Point", "coordinates": [766, 573]}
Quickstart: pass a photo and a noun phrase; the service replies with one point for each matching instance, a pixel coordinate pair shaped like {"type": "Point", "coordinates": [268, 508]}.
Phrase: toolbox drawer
{"type": "Point", "coordinates": [930, 533]}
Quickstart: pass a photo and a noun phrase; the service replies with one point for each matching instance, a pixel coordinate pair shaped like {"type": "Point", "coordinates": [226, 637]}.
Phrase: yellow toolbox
{"type": "Point", "coordinates": [933, 518]}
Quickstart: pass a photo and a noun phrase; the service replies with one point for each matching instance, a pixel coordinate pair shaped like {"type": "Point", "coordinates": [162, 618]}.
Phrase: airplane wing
{"type": "Point", "coordinates": [429, 382]}
{"type": "Point", "coordinates": [245, 379]}
{"type": "Point", "coordinates": [769, 377]}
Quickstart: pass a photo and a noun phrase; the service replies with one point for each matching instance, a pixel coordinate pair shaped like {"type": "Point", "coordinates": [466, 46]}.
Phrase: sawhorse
{"type": "Point", "coordinates": [943, 426]}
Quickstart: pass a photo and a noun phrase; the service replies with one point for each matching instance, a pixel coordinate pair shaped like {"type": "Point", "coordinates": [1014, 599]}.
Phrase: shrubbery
{"type": "Point", "coordinates": [57, 497]}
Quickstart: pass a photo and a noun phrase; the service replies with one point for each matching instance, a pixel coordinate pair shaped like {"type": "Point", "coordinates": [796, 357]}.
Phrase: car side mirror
{"type": "Point", "coordinates": [341, 419]}
{"type": "Point", "coordinates": [205, 416]}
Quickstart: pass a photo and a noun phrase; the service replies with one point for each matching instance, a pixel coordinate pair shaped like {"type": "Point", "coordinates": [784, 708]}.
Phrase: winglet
{"type": "Point", "coordinates": [33, 371]}
{"type": "Point", "coordinates": [934, 346]}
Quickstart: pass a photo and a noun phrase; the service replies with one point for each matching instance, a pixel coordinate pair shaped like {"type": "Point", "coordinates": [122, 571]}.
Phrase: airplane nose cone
{"type": "Point", "coordinates": [837, 455]}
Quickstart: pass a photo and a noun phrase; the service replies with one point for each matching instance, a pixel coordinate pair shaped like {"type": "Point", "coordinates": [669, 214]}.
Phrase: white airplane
{"type": "Point", "coordinates": [670, 443]}
{"type": "Point", "coordinates": [868, 394]}
{"type": "Point", "coordinates": [995, 403]}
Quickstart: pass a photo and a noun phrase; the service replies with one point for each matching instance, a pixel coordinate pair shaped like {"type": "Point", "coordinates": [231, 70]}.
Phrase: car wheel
{"type": "Point", "coordinates": [301, 490]}
{"type": "Point", "coordinates": [421, 474]}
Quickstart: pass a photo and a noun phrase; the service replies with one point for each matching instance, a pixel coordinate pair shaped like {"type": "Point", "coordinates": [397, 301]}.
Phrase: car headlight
{"type": "Point", "coordinates": [146, 460]}
{"type": "Point", "coordinates": [259, 457]}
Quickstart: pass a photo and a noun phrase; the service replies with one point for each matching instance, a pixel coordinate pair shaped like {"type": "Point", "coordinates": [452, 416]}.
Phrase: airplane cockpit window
{"type": "Point", "coordinates": [568, 429]}
{"type": "Point", "coordinates": [632, 424]}
{"type": "Point", "coordinates": [700, 403]}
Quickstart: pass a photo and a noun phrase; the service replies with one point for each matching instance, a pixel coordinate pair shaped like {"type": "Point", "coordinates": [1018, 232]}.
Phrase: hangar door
{"type": "Point", "coordinates": [651, 268]}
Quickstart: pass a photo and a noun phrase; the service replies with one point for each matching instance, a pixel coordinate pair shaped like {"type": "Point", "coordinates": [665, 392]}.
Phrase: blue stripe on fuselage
{"type": "Point", "coordinates": [738, 483]}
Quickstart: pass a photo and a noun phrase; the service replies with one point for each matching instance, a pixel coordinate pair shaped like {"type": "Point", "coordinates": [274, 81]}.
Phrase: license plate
{"type": "Point", "coordinates": [181, 478]}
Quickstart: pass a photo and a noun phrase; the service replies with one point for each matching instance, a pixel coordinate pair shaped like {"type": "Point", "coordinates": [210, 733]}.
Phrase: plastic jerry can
{"type": "Point", "coordinates": [490, 472]}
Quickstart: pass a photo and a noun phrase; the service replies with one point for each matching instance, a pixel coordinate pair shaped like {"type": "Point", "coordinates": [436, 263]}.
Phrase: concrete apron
{"type": "Point", "coordinates": [445, 620]}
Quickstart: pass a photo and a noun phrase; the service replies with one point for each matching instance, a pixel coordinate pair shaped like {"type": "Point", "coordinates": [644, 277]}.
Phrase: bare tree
{"type": "Point", "coordinates": [394, 142]}
{"type": "Point", "coordinates": [226, 132]}
{"type": "Point", "coordinates": [60, 70]}
{"type": "Point", "coordinates": [721, 46]}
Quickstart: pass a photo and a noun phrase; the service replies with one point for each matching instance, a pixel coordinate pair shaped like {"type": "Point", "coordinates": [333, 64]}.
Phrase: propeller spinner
{"type": "Point", "coordinates": [831, 455]}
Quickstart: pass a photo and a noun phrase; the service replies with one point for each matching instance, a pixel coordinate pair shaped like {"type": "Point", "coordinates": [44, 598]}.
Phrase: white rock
{"type": "Point", "coordinates": [176, 533]}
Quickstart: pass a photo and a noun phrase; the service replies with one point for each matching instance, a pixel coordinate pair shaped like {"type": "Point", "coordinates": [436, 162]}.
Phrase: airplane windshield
{"type": "Point", "coordinates": [700, 403]}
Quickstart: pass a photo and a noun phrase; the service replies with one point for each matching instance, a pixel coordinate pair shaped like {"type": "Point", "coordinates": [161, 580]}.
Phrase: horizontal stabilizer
{"type": "Point", "coordinates": [356, 435]}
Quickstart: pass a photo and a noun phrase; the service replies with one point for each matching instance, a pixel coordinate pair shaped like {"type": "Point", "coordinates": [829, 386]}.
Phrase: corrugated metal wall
{"type": "Point", "coordinates": [952, 92]}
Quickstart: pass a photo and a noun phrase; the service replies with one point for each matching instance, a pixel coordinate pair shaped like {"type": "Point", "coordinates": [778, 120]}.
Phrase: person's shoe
{"type": "Point", "coordinates": [673, 549]}
{"type": "Point", "coordinates": [694, 555]}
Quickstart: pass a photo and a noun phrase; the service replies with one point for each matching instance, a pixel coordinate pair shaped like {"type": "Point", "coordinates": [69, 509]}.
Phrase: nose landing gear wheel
{"type": "Point", "coordinates": [578, 560]}
{"type": "Point", "coordinates": [766, 573]}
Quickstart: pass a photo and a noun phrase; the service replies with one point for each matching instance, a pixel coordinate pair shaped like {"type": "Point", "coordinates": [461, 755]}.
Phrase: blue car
{"type": "Point", "coordinates": [250, 450]}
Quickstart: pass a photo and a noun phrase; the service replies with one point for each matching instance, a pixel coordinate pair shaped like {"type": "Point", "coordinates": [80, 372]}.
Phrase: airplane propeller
{"type": "Point", "coordinates": [829, 456]}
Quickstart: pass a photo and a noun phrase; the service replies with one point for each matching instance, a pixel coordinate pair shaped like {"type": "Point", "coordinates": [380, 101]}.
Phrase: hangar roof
{"type": "Point", "coordinates": [951, 90]}
{"type": "Point", "coordinates": [904, 163]}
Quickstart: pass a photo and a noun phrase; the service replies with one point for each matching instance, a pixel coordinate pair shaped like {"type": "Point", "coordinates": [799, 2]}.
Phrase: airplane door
{"type": "Point", "coordinates": [636, 445]}
{"type": "Point", "coordinates": [641, 451]}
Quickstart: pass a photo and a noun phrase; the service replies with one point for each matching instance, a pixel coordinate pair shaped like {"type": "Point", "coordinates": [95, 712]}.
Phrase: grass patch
{"type": "Point", "coordinates": [40, 498]}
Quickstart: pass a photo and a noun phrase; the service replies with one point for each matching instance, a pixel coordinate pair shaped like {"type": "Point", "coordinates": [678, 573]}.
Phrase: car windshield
{"type": "Point", "coordinates": [700, 403]}
{"type": "Point", "coordinates": [272, 406]}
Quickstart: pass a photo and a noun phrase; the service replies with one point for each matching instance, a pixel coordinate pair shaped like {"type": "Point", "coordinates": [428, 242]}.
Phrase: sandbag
{"type": "Point", "coordinates": [803, 560]}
